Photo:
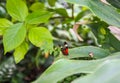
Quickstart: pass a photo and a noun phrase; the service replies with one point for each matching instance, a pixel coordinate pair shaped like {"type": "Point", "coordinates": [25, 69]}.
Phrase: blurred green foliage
{"type": "Point", "coordinates": [32, 32]}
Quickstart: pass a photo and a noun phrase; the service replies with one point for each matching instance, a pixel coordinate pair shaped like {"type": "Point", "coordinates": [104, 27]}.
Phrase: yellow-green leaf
{"type": "Point", "coordinates": [41, 37]}
{"type": "Point", "coordinates": [14, 36]}
{"type": "Point", "coordinates": [39, 16]}
{"type": "Point", "coordinates": [20, 52]}
{"type": "Point", "coordinates": [17, 9]}
{"type": "Point", "coordinates": [4, 23]}
{"type": "Point", "coordinates": [37, 6]}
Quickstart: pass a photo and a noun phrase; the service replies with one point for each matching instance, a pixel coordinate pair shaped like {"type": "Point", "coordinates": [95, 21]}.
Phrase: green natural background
{"type": "Point", "coordinates": [33, 31]}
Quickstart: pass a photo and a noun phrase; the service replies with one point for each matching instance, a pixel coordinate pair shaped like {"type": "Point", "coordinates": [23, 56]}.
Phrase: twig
{"type": "Point", "coordinates": [72, 11]}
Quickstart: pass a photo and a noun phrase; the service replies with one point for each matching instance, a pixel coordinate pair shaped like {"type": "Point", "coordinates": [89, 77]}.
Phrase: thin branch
{"type": "Point", "coordinates": [59, 17]}
{"type": "Point", "coordinates": [72, 11]}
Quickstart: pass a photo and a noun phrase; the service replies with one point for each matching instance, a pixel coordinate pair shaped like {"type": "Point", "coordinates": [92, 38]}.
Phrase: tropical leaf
{"type": "Point", "coordinates": [99, 9]}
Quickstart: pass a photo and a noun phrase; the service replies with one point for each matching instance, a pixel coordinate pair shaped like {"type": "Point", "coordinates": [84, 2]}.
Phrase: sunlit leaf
{"type": "Point", "coordinates": [14, 36]}
{"type": "Point", "coordinates": [17, 9]}
{"type": "Point", "coordinates": [37, 6]}
{"type": "Point", "coordinates": [4, 23]}
{"type": "Point", "coordinates": [41, 37]}
{"type": "Point", "coordinates": [20, 52]}
{"type": "Point", "coordinates": [37, 17]}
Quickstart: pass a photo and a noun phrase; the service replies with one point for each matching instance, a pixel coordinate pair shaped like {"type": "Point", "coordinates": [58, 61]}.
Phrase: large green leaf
{"type": "Point", "coordinates": [84, 52]}
{"type": "Point", "coordinates": [14, 36]}
{"type": "Point", "coordinates": [41, 37]}
{"type": "Point", "coordinates": [20, 52]}
{"type": "Point", "coordinates": [115, 3]}
{"type": "Point", "coordinates": [109, 72]}
{"type": "Point", "coordinates": [4, 23]}
{"type": "Point", "coordinates": [100, 9]}
{"type": "Point", "coordinates": [113, 56]}
{"type": "Point", "coordinates": [63, 68]}
{"type": "Point", "coordinates": [37, 17]}
{"type": "Point", "coordinates": [17, 9]}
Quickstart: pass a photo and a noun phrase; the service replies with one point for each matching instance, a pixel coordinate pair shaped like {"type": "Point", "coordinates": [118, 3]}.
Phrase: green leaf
{"type": "Point", "coordinates": [62, 12]}
{"type": "Point", "coordinates": [52, 2]}
{"type": "Point", "coordinates": [37, 17]}
{"type": "Point", "coordinates": [14, 36]}
{"type": "Point", "coordinates": [37, 6]}
{"type": "Point", "coordinates": [84, 52]}
{"type": "Point", "coordinates": [41, 37]}
{"type": "Point", "coordinates": [63, 68]}
{"type": "Point", "coordinates": [17, 9]}
{"type": "Point", "coordinates": [111, 16]}
{"type": "Point", "coordinates": [114, 42]}
{"type": "Point", "coordinates": [80, 15]}
{"type": "Point", "coordinates": [4, 23]}
{"type": "Point", "coordinates": [113, 56]}
{"type": "Point", "coordinates": [109, 72]}
{"type": "Point", "coordinates": [115, 3]}
{"type": "Point", "coordinates": [20, 52]}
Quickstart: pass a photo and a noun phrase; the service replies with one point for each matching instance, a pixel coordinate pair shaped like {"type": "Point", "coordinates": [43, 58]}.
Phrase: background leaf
{"type": "Point", "coordinates": [80, 15]}
{"type": "Point", "coordinates": [52, 2]}
{"type": "Point", "coordinates": [20, 52]}
{"type": "Point", "coordinates": [7, 69]}
{"type": "Point", "coordinates": [84, 52]}
{"type": "Point", "coordinates": [37, 6]}
{"type": "Point", "coordinates": [114, 41]}
{"type": "Point", "coordinates": [99, 9]}
{"type": "Point", "coordinates": [17, 9]}
{"type": "Point", "coordinates": [115, 3]}
{"type": "Point", "coordinates": [37, 17]}
{"type": "Point", "coordinates": [14, 36]}
{"type": "Point", "coordinates": [62, 12]}
{"type": "Point", "coordinates": [41, 37]}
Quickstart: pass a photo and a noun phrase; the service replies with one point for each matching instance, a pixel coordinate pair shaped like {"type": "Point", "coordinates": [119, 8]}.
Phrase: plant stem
{"type": "Point", "coordinates": [72, 11]}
